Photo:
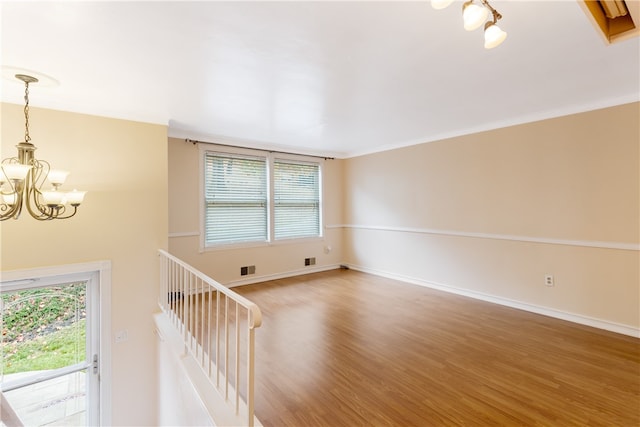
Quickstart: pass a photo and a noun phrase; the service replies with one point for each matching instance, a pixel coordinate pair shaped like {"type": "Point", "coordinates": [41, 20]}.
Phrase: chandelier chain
{"type": "Point", "coordinates": [27, 138]}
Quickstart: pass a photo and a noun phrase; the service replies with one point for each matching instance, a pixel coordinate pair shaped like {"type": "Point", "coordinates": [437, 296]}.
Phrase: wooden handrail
{"type": "Point", "coordinates": [256, 315]}
{"type": "Point", "coordinates": [187, 297]}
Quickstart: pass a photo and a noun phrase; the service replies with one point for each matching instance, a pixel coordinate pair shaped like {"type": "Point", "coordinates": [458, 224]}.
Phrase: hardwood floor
{"type": "Point", "coordinates": [343, 348]}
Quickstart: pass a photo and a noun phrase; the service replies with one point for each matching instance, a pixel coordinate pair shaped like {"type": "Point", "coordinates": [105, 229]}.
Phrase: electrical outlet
{"type": "Point", "coordinates": [548, 280]}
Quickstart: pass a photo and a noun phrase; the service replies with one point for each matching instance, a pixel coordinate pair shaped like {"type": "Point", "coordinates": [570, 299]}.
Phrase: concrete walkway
{"type": "Point", "coordinates": [57, 402]}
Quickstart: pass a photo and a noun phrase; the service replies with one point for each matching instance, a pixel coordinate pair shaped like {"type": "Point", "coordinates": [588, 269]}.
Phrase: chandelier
{"type": "Point", "coordinates": [22, 179]}
{"type": "Point", "coordinates": [474, 15]}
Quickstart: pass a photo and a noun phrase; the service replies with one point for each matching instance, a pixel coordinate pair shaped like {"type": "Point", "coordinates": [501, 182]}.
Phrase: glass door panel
{"type": "Point", "coordinates": [46, 353]}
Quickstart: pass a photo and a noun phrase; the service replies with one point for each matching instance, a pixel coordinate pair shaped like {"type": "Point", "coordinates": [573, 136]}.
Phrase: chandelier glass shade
{"type": "Point", "coordinates": [493, 35]}
{"type": "Point", "coordinates": [473, 15]}
{"type": "Point", "coordinates": [24, 179]}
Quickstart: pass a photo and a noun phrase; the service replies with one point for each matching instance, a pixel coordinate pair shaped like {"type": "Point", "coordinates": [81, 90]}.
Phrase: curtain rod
{"type": "Point", "coordinates": [195, 141]}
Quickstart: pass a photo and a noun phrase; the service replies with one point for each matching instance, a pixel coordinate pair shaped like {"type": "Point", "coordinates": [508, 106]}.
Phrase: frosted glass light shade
{"type": "Point", "coordinates": [493, 36]}
{"type": "Point", "coordinates": [75, 197]}
{"type": "Point", "coordinates": [57, 177]}
{"type": "Point", "coordinates": [473, 15]}
{"type": "Point", "coordinates": [16, 171]}
{"type": "Point", "coordinates": [10, 199]}
{"type": "Point", "coordinates": [53, 198]}
{"type": "Point", "coordinates": [440, 4]}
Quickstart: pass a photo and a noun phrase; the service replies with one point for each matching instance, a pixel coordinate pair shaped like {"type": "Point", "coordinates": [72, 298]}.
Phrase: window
{"type": "Point", "coordinates": [259, 199]}
{"type": "Point", "coordinates": [296, 193]}
{"type": "Point", "coordinates": [236, 199]}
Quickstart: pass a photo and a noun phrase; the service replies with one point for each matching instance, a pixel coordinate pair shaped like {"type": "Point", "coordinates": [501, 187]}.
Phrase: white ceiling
{"type": "Point", "coordinates": [334, 78]}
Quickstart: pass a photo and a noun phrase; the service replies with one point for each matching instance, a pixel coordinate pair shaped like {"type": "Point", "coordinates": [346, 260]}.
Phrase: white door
{"type": "Point", "coordinates": [49, 352]}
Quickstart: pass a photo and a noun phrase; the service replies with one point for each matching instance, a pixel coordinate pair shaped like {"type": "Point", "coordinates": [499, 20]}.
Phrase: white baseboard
{"type": "Point", "coordinates": [284, 275]}
{"type": "Point", "coordinates": [571, 317]}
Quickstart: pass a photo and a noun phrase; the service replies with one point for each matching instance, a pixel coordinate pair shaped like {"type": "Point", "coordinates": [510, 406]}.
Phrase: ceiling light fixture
{"type": "Point", "coordinates": [473, 15]}
{"type": "Point", "coordinates": [22, 179]}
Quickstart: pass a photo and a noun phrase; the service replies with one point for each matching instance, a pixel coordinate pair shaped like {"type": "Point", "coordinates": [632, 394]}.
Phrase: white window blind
{"type": "Point", "coordinates": [236, 198]}
{"type": "Point", "coordinates": [296, 191]}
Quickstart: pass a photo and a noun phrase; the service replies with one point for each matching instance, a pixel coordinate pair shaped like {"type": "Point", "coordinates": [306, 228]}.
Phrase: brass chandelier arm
{"type": "Point", "coordinates": [31, 200]}
{"type": "Point", "coordinates": [15, 192]}
{"type": "Point", "coordinates": [495, 13]}
{"type": "Point", "coordinates": [47, 213]}
{"type": "Point", "coordinates": [12, 211]}
{"type": "Point", "coordinates": [36, 208]}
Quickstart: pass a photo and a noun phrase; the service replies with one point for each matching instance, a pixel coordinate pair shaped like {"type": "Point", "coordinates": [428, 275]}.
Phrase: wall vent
{"type": "Point", "coordinates": [310, 261]}
{"type": "Point", "coordinates": [249, 269]}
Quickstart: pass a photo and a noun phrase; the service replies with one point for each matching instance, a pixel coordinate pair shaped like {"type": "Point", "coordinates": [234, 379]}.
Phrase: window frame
{"type": "Point", "coordinates": [270, 157]}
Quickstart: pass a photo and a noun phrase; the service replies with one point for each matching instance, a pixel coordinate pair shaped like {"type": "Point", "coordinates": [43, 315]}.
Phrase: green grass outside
{"type": "Point", "coordinates": [38, 328]}
{"type": "Point", "coordinates": [55, 350]}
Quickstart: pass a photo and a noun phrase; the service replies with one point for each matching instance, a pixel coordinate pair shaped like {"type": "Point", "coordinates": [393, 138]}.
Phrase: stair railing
{"type": "Point", "coordinates": [218, 327]}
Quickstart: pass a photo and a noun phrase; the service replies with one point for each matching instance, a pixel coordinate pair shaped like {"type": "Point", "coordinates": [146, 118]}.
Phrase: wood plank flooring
{"type": "Point", "coordinates": [343, 348]}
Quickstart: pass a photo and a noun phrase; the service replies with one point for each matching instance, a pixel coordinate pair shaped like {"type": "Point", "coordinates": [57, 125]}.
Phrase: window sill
{"type": "Point", "coordinates": [252, 245]}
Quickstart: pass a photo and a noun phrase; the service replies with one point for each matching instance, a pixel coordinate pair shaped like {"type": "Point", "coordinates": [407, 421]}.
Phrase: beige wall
{"type": "Point", "coordinates": [485, 213]}
{"type": "Point", "coordinates": [124, 219]}
{"type": "Point", "coordinates": [275, 260]}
